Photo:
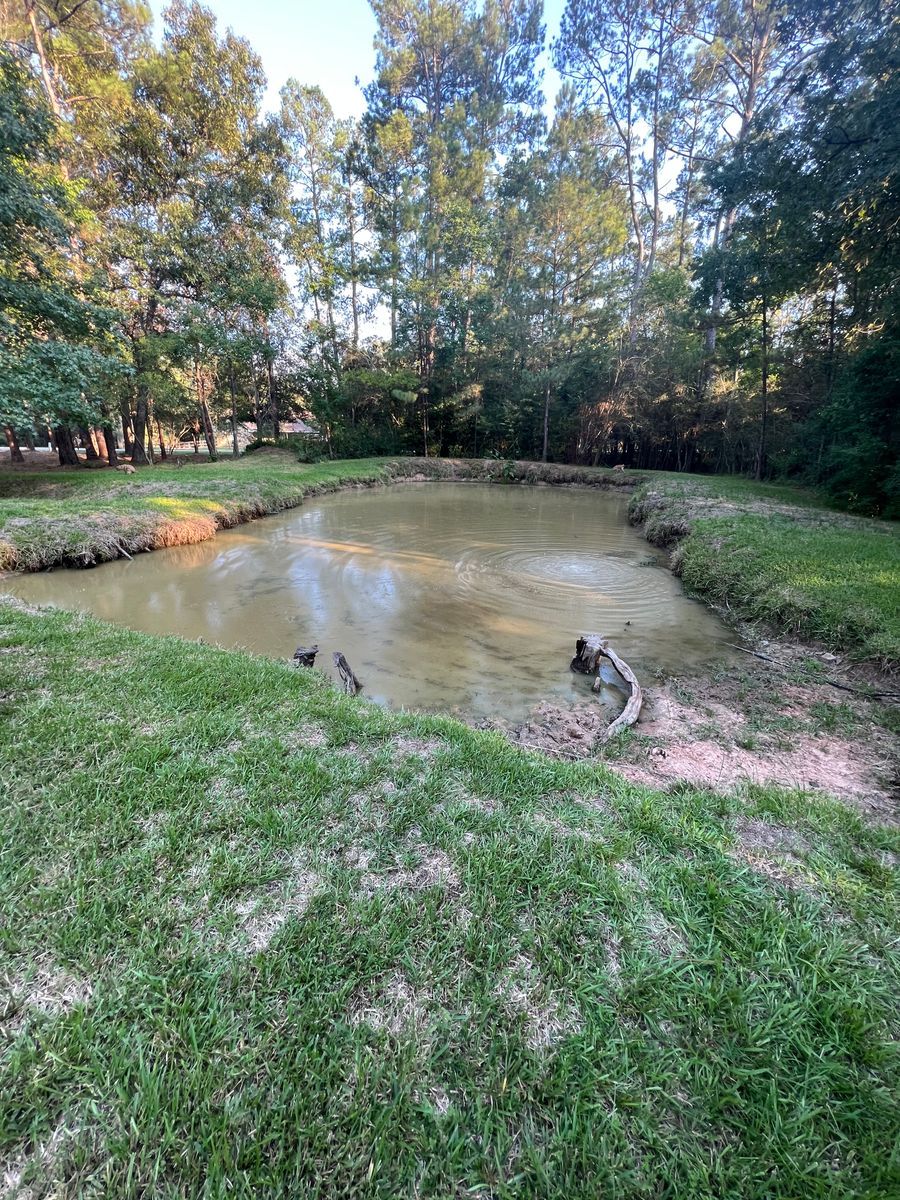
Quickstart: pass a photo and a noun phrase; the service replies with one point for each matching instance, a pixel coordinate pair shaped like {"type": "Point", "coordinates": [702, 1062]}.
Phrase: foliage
{"type": "Point", "coordinates": [54, 346]}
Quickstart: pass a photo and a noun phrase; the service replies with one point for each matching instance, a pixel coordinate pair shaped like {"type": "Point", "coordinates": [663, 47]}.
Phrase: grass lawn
{"type": "Point", "coordinates": [263, 940]}
{"type": "Point", "coordinates": [770, 553]}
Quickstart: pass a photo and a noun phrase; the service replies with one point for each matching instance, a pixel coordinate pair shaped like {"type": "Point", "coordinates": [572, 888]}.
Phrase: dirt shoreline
{"type": "Point", "coordinates": [755, 723]}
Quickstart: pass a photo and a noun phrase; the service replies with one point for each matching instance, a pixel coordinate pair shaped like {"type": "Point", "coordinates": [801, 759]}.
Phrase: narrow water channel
{"type": "Point", "coordinates": [442, 596]}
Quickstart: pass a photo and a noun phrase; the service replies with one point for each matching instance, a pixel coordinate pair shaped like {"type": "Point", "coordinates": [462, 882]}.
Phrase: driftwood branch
{"type": "Point", "coordinates": [589, 649]}
{"type": "Point", "coordinates": [305, 656]}
{"type": "Point", "coordinates": [351, 684]}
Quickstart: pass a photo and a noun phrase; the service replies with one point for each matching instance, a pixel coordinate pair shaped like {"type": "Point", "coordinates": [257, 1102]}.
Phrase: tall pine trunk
{"type": "Point", "coordinates": [764, 393]}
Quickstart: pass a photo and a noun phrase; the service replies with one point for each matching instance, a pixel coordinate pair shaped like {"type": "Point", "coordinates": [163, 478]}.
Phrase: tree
{"type": "Point", "coordinates": [55, 348]}
{"type": "Point", "coordinates": [191, 163]}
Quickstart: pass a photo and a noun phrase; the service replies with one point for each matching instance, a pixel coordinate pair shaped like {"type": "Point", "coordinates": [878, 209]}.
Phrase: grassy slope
{"type": "Point", "coordinates": [264, 940]}
{"type": "Point", "coordinates": [80, 517]}
{"type": "Point", "coordinates": [769, 553]}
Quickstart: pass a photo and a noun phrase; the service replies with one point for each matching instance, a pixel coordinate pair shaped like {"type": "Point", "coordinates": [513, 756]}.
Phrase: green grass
{"type": "Point", "coordinates": [769, 553]}
{"type": "Point", "coordinates": [263, 940]}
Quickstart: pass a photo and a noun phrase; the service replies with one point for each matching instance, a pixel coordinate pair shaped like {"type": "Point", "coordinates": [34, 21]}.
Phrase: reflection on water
{"type": "Point", "coordinates": [440, 595]}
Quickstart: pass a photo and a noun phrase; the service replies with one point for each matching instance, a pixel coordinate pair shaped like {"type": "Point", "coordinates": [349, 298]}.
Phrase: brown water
{"type": "Point", "coordinates": [442, 596]}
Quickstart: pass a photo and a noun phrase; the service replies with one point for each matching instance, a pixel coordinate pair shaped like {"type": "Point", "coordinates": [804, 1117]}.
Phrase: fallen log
{"type": "Point", "coordinates": [589, 649]}
{"type": "Point", "coordinates": [305, 656]}
{"type": "Point", "coordinates": [351, 684]}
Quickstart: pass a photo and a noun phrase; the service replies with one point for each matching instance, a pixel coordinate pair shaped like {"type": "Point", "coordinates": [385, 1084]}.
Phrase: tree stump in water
{"type": "Point", "coordinates": [589, 649]}
{"type": "Point", "coordinates": [348, 679]}
{"type": "Point", "coordinates": [305, 656]}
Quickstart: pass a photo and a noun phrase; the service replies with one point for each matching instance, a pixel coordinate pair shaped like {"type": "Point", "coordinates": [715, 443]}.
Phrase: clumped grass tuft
{"type": "Point", "coordinates": [768, 553]}
{"type": "Point", "coordinates": [260, 939]}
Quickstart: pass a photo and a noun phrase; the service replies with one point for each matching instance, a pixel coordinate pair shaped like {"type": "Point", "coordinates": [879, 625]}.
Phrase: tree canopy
{"type": "Point", "coordinates": [687, 260]}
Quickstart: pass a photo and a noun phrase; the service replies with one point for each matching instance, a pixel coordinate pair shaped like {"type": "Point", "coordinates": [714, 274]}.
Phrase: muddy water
{"type": "Point", "coordinates": [442, 596]}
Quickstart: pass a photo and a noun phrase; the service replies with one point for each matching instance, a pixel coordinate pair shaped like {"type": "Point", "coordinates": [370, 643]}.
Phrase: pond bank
{"type": "Point", "coordinates": [758, 723]}
{"type": "Point", "coordinates": [765, 556]}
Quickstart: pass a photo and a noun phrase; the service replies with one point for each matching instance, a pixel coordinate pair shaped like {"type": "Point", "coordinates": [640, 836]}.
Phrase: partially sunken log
{"type": "Point", "coordinates": [305, 656]}
{"type": "Point", "coordinates": [348, 679]}
{"type": "Point", "coordinates": [589, 649]}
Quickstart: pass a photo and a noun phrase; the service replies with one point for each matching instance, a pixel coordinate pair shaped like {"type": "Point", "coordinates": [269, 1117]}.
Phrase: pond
{"type": "Point", "coordinates": [442, 596]}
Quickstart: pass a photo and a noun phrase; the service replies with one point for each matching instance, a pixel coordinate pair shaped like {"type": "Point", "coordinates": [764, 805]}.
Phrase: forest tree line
{"type": "Point", "coordinates": [690, 264]}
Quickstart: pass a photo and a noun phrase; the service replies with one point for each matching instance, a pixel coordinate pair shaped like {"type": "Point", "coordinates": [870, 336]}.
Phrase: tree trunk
{"type": "Point", "coordinates": [546, 419]}
{"type": "Point", "coordinates": [208, 431]}
{"type": "Point", "coordinates": [90, 449]}
{"type": "Point", "coordinates": [162, 445]}
{"type": "Point", "coordinates": [273, 400]}
{"type": "Point", "coordinates": [46, 76]}
{"type": "Point", "coordinates": [110, 439]}
{"type": "Point", "coordinates": [127, 432]}
{"type": "Point", "coordinates": [351, 237]}
{"type": "Point", "coordinates": [234, 430]}
{"type": "Point", "coordinates": [138, 448]}
{"type": "Point", "coordinates": [28, 438]}
{"type": "Point", "coordinates": [761, 451]}
{"type": "Point", "coordinates": [257, 408]}
{"type": "Point", "coordinates": [15, 453]}
{"type": "Point", "coordinates": [270, 373]}
{"type": "Point", "coordinates": [144, 399]}
{"type": "Point", "coordinates": [65, 447]}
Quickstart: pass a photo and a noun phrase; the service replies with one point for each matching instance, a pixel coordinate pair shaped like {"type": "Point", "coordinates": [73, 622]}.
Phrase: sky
{"type": "Point", "coordinates": [325, 42]}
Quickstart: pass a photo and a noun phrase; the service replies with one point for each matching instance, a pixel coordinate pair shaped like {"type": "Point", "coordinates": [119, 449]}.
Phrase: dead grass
{"type": "Point", "coordinates": [40, 986]}
{"type": "Point", "coordinates": [393, 1006]}
{"type": "Point", "coordinates": [548, 1017]}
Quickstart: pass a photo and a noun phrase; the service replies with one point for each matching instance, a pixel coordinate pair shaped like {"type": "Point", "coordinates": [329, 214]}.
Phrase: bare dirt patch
{"type": "Point", "coordinates": [747, 723]}
{"type": "Point", "coordinates": [729, 735]}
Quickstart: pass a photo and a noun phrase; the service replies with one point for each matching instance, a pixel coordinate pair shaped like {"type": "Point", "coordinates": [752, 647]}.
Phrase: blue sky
{"type": "Point", "coordinates": [324, 42]}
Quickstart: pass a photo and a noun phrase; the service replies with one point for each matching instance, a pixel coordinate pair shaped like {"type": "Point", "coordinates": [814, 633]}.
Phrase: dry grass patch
{"type": "Point", "coordinates": [255, 918]}
{"type": "Point", "coordinates": [432, 867]}
{"type": "Point", "coordinates": [417, 747]}
{"type": "Point", "coordinates": [45, 1170]}
{"type": "Point", "coordinates": [392, 1006]}
{"type": "Point", "coordinates": [40, 987]}
{"type": "Point", "coordinates": [774, 851]}
{"type": "Point", "coordinates": [548, 1016]}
